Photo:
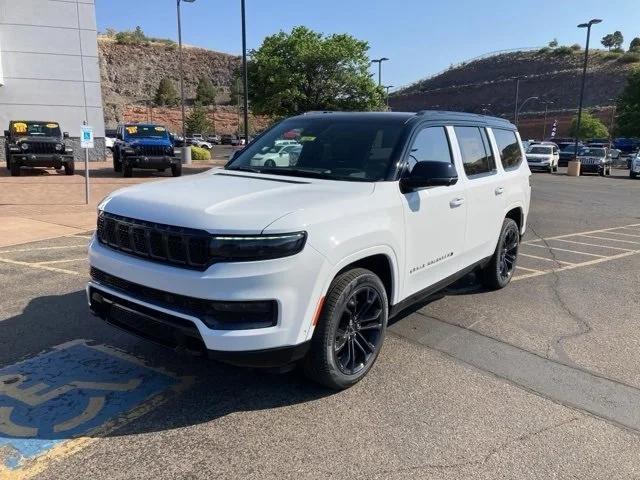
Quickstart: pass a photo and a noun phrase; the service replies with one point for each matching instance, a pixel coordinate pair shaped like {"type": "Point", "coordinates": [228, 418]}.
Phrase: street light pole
{"type": "Point", "coordinates": [379, 62]}
{"type": "Point", "coordinates": [185, 149]}
{"type": "Point", "coordinates": [521, 106]}
{"type": "Point", "coordinates": [245, 75]}
{"type": "Point", "coordinates": [588, 26]}
{"type": "Point", "coordinates": [515, 110]}
{"type": "Point", "coordinates": [546, 111]}
{"type": "Point", "coordinates": [387, 87]}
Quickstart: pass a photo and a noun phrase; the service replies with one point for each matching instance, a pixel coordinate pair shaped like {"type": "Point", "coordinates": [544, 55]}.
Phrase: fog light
{"type": "Point", "coordinates": [241, 315]}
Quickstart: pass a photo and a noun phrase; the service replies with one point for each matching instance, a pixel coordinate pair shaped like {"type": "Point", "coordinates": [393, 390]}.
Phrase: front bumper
{"type": "Point", "coordinates": [591, 167]}
{"type": "Point", "coordinates": [296, 283]}
{"type": "Point", "coordinates": [150, 162]}
{"type": "Point", "coordinates": [41, 159]}
{"type": "Point", "coordinates": [544, 165]}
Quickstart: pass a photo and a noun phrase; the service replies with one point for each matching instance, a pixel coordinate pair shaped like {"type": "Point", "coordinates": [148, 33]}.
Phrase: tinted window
{"type": "Point", "coordinates": [510, 153]}
{"type": "Point", "coordinates": [476, 152]}
{"type": "Point", "coordinates": [431, 145]}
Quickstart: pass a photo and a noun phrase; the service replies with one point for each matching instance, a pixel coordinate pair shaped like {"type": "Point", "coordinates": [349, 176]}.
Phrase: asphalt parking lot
{"type": "Point", "coordinates": [540, 380]}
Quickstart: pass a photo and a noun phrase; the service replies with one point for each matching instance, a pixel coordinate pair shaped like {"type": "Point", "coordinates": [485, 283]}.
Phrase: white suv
{"type": "Point", "coordinates": [269, 266]}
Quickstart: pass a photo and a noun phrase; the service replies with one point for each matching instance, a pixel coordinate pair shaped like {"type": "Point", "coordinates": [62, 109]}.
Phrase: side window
{"type": "Point", "coordinates": [430, 145]}
{"type": "Point", "coordinates": [510, 153]}
{"type": "Point", "coordinates": [476, 151]}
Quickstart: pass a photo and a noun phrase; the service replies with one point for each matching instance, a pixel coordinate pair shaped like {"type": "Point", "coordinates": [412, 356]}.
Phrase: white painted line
{"type": "Point", "coordinates": [529, 269]}
{"type": "Point", "coordinates": [88, 237]}
{"type": "Point", "coordinates": [565, 250]}
{"type": "Point", "coordinates": [39, 267]}
{"type": "Point", "coordinates": [543, 258]}
{"type": "Point", "coordinates": [630, 227]}
{"type": "Point", "coordinates": [623, 234]}
{"type": "Point", "coordinates": [61, 261]}
{"type": "Point", "coordinates": [593, 245]}
{"type": "Point", "coordinates": [528, 242]}
{"type": "Point", "coordinates": [611, 239]}
{"type": "Point", "coordinates": [42, 248]}
{"type": "Point", "coordinates": [577, 265]}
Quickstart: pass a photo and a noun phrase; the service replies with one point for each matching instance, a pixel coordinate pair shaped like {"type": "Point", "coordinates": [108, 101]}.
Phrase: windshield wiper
{"type": "Point", "coordinates": [296, 172]}
{"type": "Point", "coordinates": [245, 169]}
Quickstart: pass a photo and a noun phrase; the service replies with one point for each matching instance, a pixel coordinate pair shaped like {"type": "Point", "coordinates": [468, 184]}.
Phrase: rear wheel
{"type": "Point", "coordinates": [69, 168]}
{"type": "Point", "coordinates": [633, 174]}
{"type": "Point", "coordinates": [270, 163]}
{"type": "Point", "coordinates": [176, 170]}
{"type": "Point", "coordinates": [15, 169]}
{"type": "Point", "coordinates": [350, 331]}
{"type": "Point", "coordinates": [497, 274]}
{"type": "Point", "coordinates": [117, 164]}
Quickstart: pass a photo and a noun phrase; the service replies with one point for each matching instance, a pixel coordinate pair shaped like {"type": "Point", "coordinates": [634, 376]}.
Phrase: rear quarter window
{"type": "Point", "coordinates": [508, 147]}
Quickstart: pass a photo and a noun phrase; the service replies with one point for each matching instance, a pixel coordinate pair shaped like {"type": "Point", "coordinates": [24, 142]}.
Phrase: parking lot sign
{"type": "Point", "coordinates": [86, 136]}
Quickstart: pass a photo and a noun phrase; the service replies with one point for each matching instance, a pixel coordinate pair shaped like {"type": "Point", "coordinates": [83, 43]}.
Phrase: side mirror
{"type": "Point", "coordinates": [7, 133]}
{"type": "Point", "coordinates": [65, 135]}
{"type": "Point", "coordinates": [429, 174]}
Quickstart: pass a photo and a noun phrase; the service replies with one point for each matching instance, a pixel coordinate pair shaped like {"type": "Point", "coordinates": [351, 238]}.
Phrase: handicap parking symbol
{"type": "Point", "coordinates": [69, 392]}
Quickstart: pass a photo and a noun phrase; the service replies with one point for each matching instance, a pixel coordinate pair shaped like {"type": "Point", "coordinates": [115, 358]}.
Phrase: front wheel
{"type": "Point", "coordinates": [15, 169]}
{"type": "Point", "coordinates": [498, 273]}
{"type": "Point", "coordinates": [633, 174]}
{"type": "Point", "coordinates": [127, 171]}
{"type": "Point", "coordinates": [117, 163]}
{"type": "Point", "coordinates": [350, 331]}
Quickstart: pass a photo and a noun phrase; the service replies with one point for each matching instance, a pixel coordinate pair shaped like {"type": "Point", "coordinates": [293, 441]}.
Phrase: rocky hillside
{"type": "Point", "coordinates": [131, 74]}
{"type": "Point", "coordinates": [490, 83]}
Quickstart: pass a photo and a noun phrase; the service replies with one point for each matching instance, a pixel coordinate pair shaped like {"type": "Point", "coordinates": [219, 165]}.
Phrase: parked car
{"type": "Point", "coordinates": [228, 139]}
{"type": "Point", "coordinates": [567, 154]}
{"type": "Point", "coordinates": [213, 139]}
{"type": "Point", "coordinates": [634, 170]}
{"type": "Point", "coordinates": [595, 160]}
{"type": "Point", "coordinates": [110, 138]}
{"type": "Point", "coordinates": [627, 146]}
{"type": "Point", "coordinates": [265, 266]}
{"type": "Point", "coordinates": [278, 155]}
{"type": "Point", "coordinates": [198, 142]}
{"type": "Point", "coordinates": [30, 143]}
{"type": "Point", "coordinates": [144, 146]}
{"type": "Point", "coordinates": [543, 156]}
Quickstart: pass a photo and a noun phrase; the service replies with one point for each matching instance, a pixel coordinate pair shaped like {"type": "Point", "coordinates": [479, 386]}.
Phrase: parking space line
{"type": "Point", "coordinates": [602, 230]}
{"type": "Point", "coordinates": [611, 239]}
{"type": "Point", "coordinates": [51, 262]}
{"type": "Point", "coordinates": [543, 258]}
{"type": "Point", "coordinates": [623, 234]}
{"type": "Point", "coordinates": [88, 237]}
{"type": "Point", "coordinates": [39, 267]}
{"type": "Point", "coordinates": [530, 269]}
{"type": "Point", "coordinates": [2, 252]}
{"type": "Point", "coordinates": [592, 245]}
{"type": "Point", "coordinates": [571, 251]}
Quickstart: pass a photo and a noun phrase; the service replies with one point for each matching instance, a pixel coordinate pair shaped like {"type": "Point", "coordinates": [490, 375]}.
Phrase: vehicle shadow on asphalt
{"type": "Point", "coordinates": [215, 390]}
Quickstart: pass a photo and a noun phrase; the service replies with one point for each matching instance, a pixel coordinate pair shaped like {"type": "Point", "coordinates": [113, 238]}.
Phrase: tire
{"type": "Point", "coordinates": [117, 164]}
{"type": "Point", "coordinates": [15, 169]}
{"type": "Point", "coordinates": [127, 171]}
{"type": "Point", "coordinates": [8, 157]}
{"type": "Point", "coordinates": [270, 163]}
{"type": "Point", "coordinates": [633, 174]}
{"type": "Point", "coordinates": [161, 170]}
{"type": "Point", "coordinates": [351, 294]}
{"type": "Point", "coordinates": [609, 171]}
{"type": "Point", "coordinates": [498, 273]}
{"type": "Point", "coordinates": [69, 168]}
{"type": "Point", "coordinates": [176, 170]}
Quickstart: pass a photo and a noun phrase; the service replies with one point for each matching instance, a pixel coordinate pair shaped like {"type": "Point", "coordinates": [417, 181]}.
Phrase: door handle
{"type": "Point", "coordinates": [456, 202]}
{"type": "Point", "coordinates": [499, 190]}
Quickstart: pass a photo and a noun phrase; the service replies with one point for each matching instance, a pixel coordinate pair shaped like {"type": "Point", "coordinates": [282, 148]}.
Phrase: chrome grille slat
{"type": "Point", "coordinates": [177, 246]}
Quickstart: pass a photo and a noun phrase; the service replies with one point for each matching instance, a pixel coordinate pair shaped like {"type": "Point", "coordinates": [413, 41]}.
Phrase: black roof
{"type": "Point", "coordinates": [405, 117]}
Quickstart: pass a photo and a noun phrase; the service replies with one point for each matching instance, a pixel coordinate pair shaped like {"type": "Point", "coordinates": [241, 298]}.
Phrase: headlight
{"type": "Point", "coordinates": [24, 146]}
{"type": "Point", "coordinates": [241, 248]}
{"type": "Point", "coordinates": [59, 147]}
{"type": "Point", "coordinates": [169, 149]}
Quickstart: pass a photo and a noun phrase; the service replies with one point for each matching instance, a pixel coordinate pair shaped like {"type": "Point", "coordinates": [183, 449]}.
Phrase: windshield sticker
{"type": "Point", "coordinates": [161, 129]}
{"type": "Point", "coordinates": [52, 125]}
{"type": "Point", "coordinates": [132, 130]}
{"type": "Point", "coordinates": [20, 127]}
{"type": "Point", "coordinates": [307, 139]}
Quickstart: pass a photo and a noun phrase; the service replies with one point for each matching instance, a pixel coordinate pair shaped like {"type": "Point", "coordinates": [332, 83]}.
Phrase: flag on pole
{"type": "Point", "coordinates": [554, 129]}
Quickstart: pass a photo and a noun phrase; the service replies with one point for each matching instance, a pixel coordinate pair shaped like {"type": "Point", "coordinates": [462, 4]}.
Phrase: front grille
{"type": "Point", "coordinates": [42, 147]}
{"type": "Point", "coordinates": [152, 150]}
{"type": "Point", "coordinates": [178, 246]}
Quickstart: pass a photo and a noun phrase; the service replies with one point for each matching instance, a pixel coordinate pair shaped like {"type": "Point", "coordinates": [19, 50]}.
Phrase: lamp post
{"type": "Point", "coordinates": [515, 110]}
{"type": "Point", "coordinates": [379, 62]}
{"type": "Point", "coordinates": [613, 118]}
{"type": "Point", "coordinates": [522, 105]}
{"type": "Point", "coordinates": [186, 158]}
{"type": "Point", "coordinates": [546, 111]}
{"type": "Point", "coordinates": [575, 169]}
{"type": "Point", "coordinates": [387, 88]}
{"type": "Point", "coordinates": [245, 76]}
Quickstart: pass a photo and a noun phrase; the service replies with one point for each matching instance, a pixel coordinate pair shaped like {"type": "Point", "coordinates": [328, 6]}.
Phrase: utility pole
{"type": "Point", "coordinates": [186, 158]}
{"type": "Point", "coordinates": [546, 111]}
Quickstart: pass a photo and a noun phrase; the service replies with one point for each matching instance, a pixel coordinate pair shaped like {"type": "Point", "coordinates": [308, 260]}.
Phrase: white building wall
{"type": "Point", "coordinates": [49, 66]}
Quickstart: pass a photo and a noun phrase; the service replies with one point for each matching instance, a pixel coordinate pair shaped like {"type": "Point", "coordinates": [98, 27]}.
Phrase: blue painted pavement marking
{"type": "Point", "coordinates": [66, 393]}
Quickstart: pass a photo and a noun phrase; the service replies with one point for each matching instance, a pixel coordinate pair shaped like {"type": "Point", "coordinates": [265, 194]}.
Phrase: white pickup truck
{"type": "Point", "coordinates": [305, 263]}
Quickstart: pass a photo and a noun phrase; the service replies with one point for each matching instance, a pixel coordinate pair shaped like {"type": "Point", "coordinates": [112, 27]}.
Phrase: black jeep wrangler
{"type": "Point", "coordinates": [37, 144]}
{"type": "Point", "coordinates": [146, 146]}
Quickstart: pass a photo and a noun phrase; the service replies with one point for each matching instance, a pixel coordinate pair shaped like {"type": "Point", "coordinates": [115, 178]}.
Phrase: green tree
{"type": "Point", "coordinates": [206, 92]}
{"type": "Point", "coordinates": [635, 44]}
{"type": "Point", "coordinates": [628, 107]}
{"type": "Point", "coordinates": [590, 127]}
{"type": "Point", "coordinates": [608, 41]}
{"type": "Point", "coordinates": [166, 95]}
{"type": "Point", "coordinates": [197, 121]}
{"type": "Point", "coordinates": [306, 70]}
{"type": "Point", "coordinates": [618, 39]}
{"type": "Point", "coordinates": [553, 43]}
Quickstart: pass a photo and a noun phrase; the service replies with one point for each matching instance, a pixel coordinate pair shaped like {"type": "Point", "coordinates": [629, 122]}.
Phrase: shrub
{"type": "Point", "coordinates": [630, 57]}
{"type": "Point", "coordinates": [564, 50]}
{"type": "Point", "coordinates": [576, 47]}
{"type": "Point", "coordinates": [612, 55]}
{"type": "Point", "coordinates": [544, 50]}
{"type": "Point", "coordinates": [200, 154]}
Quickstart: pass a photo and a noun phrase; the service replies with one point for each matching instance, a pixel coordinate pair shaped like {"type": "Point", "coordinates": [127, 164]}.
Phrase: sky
{"type": "Point", "coordinates": [420, 37]}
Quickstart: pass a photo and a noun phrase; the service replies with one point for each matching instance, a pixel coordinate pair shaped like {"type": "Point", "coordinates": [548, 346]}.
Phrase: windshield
{"type": "Point", "coordinates": [540, 150]}
{"type": "Point", "coordinates": [591, 152]}
{"type": "Point", "coordinates": [145, 131]}
{"type": "Point", "coordinates": [323, 148]}
{"type": "Point", "coordinates": [36, 129]}
{"type": "Point", "coordinates": [569, 148]}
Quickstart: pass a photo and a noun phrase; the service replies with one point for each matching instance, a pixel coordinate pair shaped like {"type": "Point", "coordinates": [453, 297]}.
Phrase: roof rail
{"type": "Point", "coordinates": [310, 112]}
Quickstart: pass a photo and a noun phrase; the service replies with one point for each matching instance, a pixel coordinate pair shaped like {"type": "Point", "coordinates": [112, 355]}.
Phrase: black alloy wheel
{"type": "Point", "coordinates": [498, 272]}
{"type": "Point", "coordinates": [509, 254]}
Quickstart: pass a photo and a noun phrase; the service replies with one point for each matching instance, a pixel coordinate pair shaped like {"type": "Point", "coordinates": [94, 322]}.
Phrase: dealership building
{"type": "Point", "coordinates": [49, 68]}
